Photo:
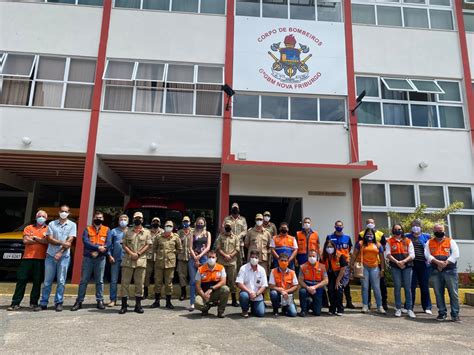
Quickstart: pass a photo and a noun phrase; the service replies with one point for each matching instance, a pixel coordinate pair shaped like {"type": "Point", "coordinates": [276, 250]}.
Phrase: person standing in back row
{"type": "Point", "coordinates": [155, 231]}
{"type": "Point", "coordinates": [239, 228]}
{"type": "Point", "coordinates": [185, 235]}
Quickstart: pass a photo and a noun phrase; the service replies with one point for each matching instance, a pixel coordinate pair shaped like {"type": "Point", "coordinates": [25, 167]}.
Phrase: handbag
{"type": "Point", "coordinates": [359, 266]}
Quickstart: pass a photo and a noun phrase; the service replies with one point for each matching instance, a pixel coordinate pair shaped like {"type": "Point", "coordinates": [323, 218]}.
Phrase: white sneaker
{"type": "Point", "coordinates": [428, 311]}
{"type": "Point", "coordinates": [381, 310]}
{"type": "Point", "coordinates": [411, 314]}
{"type": "Point", "coordinates": [398, 313]}
{"type": "Point", "coordinates": [191, 308]}
{"type": "Point", "coordinates": [365, 309]}
{"type": "Point", "coordinates": [404, 310]}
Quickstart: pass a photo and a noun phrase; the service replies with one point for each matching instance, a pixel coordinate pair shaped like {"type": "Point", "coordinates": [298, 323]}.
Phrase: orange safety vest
{"type": "Point", "coordinates": [283, 279]}
{"type": "Point", "coordinates": [306, 245]}
{"type": "Point", "coordinates": [210, 277]}
{"type": "Point", "coordinates": [98, 237]}
{"type": "Point", "coordinates": [399, 248]}
{"type": "Point", "coordinates": [312, 273]}
{"type": "Point", "coordinates": [441, 250]}
{"type": "Point", "coordinates": [335, 262]}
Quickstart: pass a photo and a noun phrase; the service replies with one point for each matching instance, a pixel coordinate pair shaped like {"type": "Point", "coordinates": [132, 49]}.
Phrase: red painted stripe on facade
{"type": "Point", "coordinates": [351, 100]}
{"type": "Point", "coordinates": [465, 66]}
{"type": "Point", "coordinates": [227, 121]}
{"type": "Point", "coordinates": [92, 140]}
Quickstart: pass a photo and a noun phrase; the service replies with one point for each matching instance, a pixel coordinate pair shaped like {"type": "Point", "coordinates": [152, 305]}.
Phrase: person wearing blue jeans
{"type": "Point", "coordinates": [199, 245]}
{"type": "Point", "coordinates": [96, 239]}
{"type": "Point", "coordinates": [421, 269]}
{"type": "Point", "coordinates": [116, 255]}
{"type": "Point", "coordinates": [60, 235]}
{"type": "Point", "coordinates": [283, 283]}
{"type": "Point", "coordinates": [400, 253]}
{"type": "Point", "coordinates": [312, 279]}
{"type": "Point", "coordinates": [442, 253]}
{"type": "Point", "coordinates": [252, 281]}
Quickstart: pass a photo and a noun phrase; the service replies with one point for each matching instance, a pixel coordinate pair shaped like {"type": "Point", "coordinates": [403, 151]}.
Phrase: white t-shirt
{"type": "Point", "coordinates": [253, 280]}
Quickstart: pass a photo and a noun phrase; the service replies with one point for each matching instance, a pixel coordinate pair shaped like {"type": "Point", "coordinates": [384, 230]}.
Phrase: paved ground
{"type": "Point", "coordinates": [179, 331]}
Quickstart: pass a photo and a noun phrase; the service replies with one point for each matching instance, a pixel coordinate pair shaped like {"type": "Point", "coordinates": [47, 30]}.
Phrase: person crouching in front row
{"type": "Point", "coordinates": [283, 283]}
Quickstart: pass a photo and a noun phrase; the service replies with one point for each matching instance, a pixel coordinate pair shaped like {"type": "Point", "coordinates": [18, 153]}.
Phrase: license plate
{"type": "Point", "coordinates": [12, 255]}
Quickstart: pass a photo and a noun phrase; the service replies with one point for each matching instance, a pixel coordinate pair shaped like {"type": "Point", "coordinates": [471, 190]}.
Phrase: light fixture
{"type": "Point", "coordinates": [359, 101]}
{"type": "Point", "coordinates": [229, 92]}
{"type": "Point", "coordinates": [26, 140]}
{"type": "Point", "coordinates": [423, 165]}
{"type": "Point", "coordinates": [153, 146]}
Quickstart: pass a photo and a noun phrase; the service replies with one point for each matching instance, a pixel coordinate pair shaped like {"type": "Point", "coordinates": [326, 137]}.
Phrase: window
{"type": "Point", "coordinates": [163, 88]}
{"type": "Point", "coordinates": [373, 195]}
{"type": "Point", "coordinates": [403, 199]}
{"type": "Point", "coordinates": [47, 81]}
{"type": "Point", "coordinates": [156, 5]}
{"type": "Point", "coordinates": [322, 10]}
{"type": "Point", "coordinates": [213, 7]}
{"type": "Point", "coordinates": [436, 14]}
{"type": "Point", "coordinates": [468, 21]}
{"type": "Point", "coordinates": [194, 6]}
{"type": "Point", "coordinates": [294, 108]}
{"type": "Point", "coordinates": [410, 102]}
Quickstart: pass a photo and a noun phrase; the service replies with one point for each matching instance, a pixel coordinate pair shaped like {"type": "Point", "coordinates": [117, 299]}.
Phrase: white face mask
{"type": "Point", "coordinates": [312, 260]}
{"type": "Point", "coordinates": [307, 225]}
{"type": "Point", "coordinates": [211, 262]}
{"type": "Point", "coordinates": [416, 229]}
{"type": "Point", "coordinates": [259, 223]}
{"type": "Point", "coordinates": [370, 225]}
{"type": "Point", "coordinates": [123, 223]}
{"type": "Point", "coordinates": [40, 220]}
{"type": "Point", "coordinates": [266, 218]}
{"type": "Point", "coordinates": [253, 261]}
{"type": "Point", "coordinates": [63, 215]}
{"type": "Point", "coordinates": [168, 229]}
{"type": "Point", "coordinates": [330, 251]}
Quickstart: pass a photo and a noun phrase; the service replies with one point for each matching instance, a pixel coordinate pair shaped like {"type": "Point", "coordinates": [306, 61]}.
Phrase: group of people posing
{"type": "Point", "coordinates": [248, 260]}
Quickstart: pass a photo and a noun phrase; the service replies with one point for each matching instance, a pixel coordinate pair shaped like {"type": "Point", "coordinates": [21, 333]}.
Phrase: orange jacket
{"type": "Point", "coordinates": [312, 273]}
{"type": "Point", "coordinates": [283, 279]}
{"type": "Point", "coordinates": [335, 262]}
{"type": "Point", "coordinates": [210, 277]}
{"type": "Point", "coordinates": [306, 245]}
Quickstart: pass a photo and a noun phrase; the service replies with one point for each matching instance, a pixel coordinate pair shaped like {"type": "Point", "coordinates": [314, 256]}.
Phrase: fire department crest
{"type": "Point", "coordinates": [290, 67]}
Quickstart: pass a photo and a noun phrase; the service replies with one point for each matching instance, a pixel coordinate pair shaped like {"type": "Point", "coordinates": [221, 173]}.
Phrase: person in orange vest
{"type": "Point", "coordinates": [372, 253]}
{"type": "Point", "coordinates": [400, 253]}
{"type": "Point", "coordinates": [442, 253]}
{"type": "Point", "coordinates": [283, 283]}
{"type": "Point", "coordinates": [211, 286]}
{"type": "Point", "coordinates": [307, 239]}
{"type": "Point", "coordinates": [97, 243]}
{"type": "Point", "coordinates": [336, 264]}
{"type": "Point", "coordinates": [284, 243]}
{"type": "Point", "coordinates": [312, 279]}
{"type": "Point", "coordinates": [32, 263]}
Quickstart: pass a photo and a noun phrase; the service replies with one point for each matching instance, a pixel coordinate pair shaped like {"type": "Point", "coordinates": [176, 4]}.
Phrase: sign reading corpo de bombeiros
{"type": "Point", "coordinates": [272, 55]}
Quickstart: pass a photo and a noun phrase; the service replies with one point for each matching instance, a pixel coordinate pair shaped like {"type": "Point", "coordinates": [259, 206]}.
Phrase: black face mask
{"type": "Point", "coordinates": [137, 222]}
{"type": "Point", "coordinates": [227, 228]}
{"type": "Point", "coordinates": [283, 231]}
{"type": "Point", "coordinates": [155, 225]}
{"type": "Point", "coordinates": [439, 234]}
{"type": "Point", "coordinates": [235, 210]}
{"type": "Point", "coordinates": [97, 222]}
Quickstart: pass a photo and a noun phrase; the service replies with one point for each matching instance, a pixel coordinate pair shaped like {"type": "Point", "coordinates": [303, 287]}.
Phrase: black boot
{"type": "Point", "coordinates": [138, 305]}
{"type": "Point", "coordinates": [156, 304]}
{"type": "Point", "coordinates": [234, 301]}
{"type": "Point", "coordinates": [123, 309]}
{"type": "Point", "coordinates": [183, 293]}
{"type": "Point", "coordinates": [145, 292]}
{"type": "Point", "coordinates": [275, 312]}
{"type": "Point", "coordinates": [168, 302]}
{"type": "Point", "coordinates": [77, 306]}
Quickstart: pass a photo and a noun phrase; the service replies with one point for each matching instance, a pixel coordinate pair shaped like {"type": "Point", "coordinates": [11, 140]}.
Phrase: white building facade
{"type": "Point", "coordinates": [126, 94]}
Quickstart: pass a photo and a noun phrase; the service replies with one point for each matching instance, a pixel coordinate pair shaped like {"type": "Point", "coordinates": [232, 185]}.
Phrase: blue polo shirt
{"type": "Point", "coordinates": [342, 242]}
{"type": "Point", "coordinates": [116, 250]}
{"type": "Point", "coordinates": [60, 232]}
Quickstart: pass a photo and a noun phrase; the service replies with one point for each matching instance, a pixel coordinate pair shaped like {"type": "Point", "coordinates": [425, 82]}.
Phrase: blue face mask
{"type": "Point", "coordinates": [185, 224]}
{"type": "Point", "coordinates": [339, 229]}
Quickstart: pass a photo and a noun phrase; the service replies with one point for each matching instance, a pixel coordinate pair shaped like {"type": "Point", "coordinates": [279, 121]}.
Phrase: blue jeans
{"type": "Point", "coordinates": [52, 269]}
{"type": "Point", "coordinates": [192, 277]}
{"type": "Point", "coordinates": [275, 297]}
{"type": "Point", "coordinates": [371, 274]}
{"type": "Point", "coordinates": [402, 278]}
{"type": "Point", "coordinates": [314, 301]}
{"type": "Point", "coordinates": [421, 276]}
{"type": "Point", "coordinates": [89, 266]}
{"type": "Point", "coordinates": [114, 277]}
{"type": "Point", "coordinates": [257, 307]}
{"type": "Point", "coordinates": [446, 279]}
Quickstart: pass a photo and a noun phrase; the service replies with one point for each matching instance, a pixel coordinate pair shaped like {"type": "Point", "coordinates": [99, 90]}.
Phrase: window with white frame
{"type": "Point", "coordinates": [197, 6]}
{"type": "Point", "coordinates": [410, 102]}
{"type": "Point", "coordinates": [71, 2]}
{"type": "Point", "coordinates": [172, 88]}
{"type": "Point", "coordinates": [468, 15]}
{"type": "Point", "coordinates": [433, 14]}
{"type": "Point", "coordinates": [380, 197]}
{"type": "Point", "coordinates": [320, 10]}
{"type": "Point", "coordinates": [47, 81]}
{"type": "Point", "coordinates": [282, 107]}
